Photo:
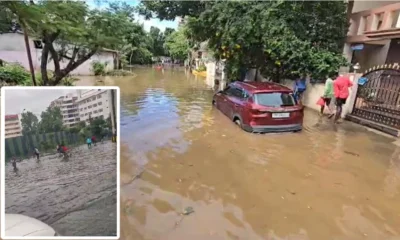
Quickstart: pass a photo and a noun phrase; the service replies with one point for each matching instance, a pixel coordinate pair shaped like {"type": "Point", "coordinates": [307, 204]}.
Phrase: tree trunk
{"type": "Point", "coordinates": [28, 51]}
{"type": "Point", "coordinates": [43, 64]}
{"type": "Point", "coordinates": [130, 58]}
{"type": "Point", "coordinates": [72, 65]}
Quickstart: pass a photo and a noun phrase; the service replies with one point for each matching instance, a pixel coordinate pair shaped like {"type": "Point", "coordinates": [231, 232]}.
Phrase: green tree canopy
{"type": "Point", "coordinates": [177, 44]}
{"type": "Point", "coordinates": [282, 38]}
{"type": "Point", "coordinates": [51, 120]}
{"type": "Point", "coordinates": [29, 123]}
{"type": "Point", "coordinates": [71, 31]}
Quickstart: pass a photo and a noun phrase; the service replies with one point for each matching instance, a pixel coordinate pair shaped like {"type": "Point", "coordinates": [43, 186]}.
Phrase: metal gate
{"type": "Point", "coordinates": [378, 96]}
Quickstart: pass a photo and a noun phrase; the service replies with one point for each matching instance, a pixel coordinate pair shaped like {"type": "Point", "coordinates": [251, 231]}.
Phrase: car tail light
{"type": "Point", "coordinates": [258, 112]}
{"type": "Point", "coordinates": [297, 114]}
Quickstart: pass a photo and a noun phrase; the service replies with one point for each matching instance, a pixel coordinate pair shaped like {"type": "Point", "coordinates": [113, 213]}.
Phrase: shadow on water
{"type": "Point", "coordinates": [327, 182]}
{"type": "Point", "coordinates": [75, 197]}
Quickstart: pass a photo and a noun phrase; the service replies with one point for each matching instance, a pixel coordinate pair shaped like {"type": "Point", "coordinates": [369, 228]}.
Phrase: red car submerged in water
{"type": "Point", "coordinates": [261, 107]}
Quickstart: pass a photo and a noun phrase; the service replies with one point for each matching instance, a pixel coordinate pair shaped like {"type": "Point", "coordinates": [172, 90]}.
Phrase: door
{"type": "Point", "coordinates": [223, 99]}
{"type": "Point", "coordinates": [236, 102]}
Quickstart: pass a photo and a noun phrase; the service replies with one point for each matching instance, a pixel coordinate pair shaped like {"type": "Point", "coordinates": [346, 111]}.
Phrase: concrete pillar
{"type": "Point", "coordinates": [348, 107]}
{"type": "Point", "coordinates": [211, 72]}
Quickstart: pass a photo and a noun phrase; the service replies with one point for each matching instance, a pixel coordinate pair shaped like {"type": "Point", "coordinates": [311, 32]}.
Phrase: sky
{"type": "Point", "coordinates": [33, 100]}
{"type": "Point", "coordinates": [147, 24]}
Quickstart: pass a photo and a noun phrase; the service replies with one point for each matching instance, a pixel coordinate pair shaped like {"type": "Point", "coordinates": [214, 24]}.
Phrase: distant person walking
{"type": "Point", "coordinates": [94, 140]}
{"type": "Point", "coordinates": [341, 90]}
{"type": "Point", "coordinates": [14, 164]}
{"type": "Point", "coordinates": [328, 95]}
{"type": "Point", "coordinates": [89, 142]}
{"type": "Point", "coordinates": [37, 153]}
{"type": "Point", "coordinates": [299, 88]}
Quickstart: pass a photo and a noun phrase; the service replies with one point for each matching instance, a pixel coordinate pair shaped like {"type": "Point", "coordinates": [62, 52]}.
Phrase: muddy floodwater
{"type": "Point", "coordinates": [327, 182]}
{"type": "Point", "coordinates": [77, 197]}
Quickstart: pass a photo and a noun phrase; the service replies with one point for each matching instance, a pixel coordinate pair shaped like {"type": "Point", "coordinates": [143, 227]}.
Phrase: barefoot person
{"type": "Point", "coordinates": [14, 164]}
{"type": "Point", "coordinates": [89, 142]}
{"type": "Point", "coordinates": [328, 95]}
{"type": "Point", "coordinates": [341, 90]}
{"type": "Point", "coordinates": [37, 153]}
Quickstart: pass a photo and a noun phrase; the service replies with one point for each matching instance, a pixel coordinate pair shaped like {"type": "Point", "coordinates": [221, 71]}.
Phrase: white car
{"type": "Point", "coordinates": [18, 225]}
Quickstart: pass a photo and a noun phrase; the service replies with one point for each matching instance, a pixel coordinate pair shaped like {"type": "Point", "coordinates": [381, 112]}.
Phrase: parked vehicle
{"type": "Point", "coordinates": [18, 225]}
{"type": "Point", "coordinates": [260, 107]}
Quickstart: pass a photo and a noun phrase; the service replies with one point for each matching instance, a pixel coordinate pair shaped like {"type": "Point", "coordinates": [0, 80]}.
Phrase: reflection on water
{"type": "Point", "coordinates": [327, 182]}
{"type": "Point", "coordinates": [76, 197]}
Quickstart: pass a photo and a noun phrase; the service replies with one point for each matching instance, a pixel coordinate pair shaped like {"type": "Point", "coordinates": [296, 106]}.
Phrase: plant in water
{"type": "Point", "coordinates": [99, 68]}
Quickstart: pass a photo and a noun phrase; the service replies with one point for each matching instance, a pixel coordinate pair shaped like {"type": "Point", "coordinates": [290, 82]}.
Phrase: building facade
{"type": "Point", "coordinates": [13, 50]}
{"type": "Point", "coordinates": [94, 103]}
{"type": "Point", "coordinates": [69, 109]}
{"type": "Point", "coordinates": [374, 34]}
{"type": "Point", "coordinates": [13, 126]}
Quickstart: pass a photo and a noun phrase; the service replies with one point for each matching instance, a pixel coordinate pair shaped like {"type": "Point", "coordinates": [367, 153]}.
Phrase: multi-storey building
{"type": "Point", "coordinates": [69, 109]}
{"type": "Point", "coordinates": [94, 103]}
{"type": "Point", "coordinates": [374, 34]}
{"type": "Point", "coordinates": [12, 126]}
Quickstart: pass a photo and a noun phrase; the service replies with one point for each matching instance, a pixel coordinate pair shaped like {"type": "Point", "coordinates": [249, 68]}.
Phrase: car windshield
{"type": "Point", "coordinates": [275, 99]}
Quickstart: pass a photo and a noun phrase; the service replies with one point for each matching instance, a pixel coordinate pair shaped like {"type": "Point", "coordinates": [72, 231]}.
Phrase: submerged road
{"type": "Point", "coordinates": [76, 198]}
{"type": "Point", "coordinates": [327, 182]}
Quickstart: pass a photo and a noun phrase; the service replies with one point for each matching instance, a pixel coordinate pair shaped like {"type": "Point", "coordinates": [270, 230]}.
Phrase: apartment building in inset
{"type": "Point", "coordinates": [69, 109]}
{"type": "Point", "coordinates": [93, 104]}
{"type": "Point", "coordinates": [12, 126]}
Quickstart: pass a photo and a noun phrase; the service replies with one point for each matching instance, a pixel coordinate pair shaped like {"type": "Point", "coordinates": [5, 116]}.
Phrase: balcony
{"type": "Point", "coordinates": [375, 25]}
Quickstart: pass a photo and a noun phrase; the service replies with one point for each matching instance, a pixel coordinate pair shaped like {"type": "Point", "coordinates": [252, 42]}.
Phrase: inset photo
{"type": "Point", "coordinates": [60, 163]}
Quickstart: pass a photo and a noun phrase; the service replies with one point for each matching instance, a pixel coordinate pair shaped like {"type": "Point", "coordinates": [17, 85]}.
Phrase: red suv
{"type": "Point", "coordinates": [260, 107]}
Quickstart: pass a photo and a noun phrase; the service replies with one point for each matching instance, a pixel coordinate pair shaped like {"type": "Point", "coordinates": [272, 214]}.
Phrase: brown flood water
{"type": "Point", "coordinates": [327, 182]}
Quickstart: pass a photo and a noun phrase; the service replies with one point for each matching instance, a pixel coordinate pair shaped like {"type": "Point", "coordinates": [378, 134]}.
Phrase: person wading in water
{"type": "Point", "coordinates": [341, 89]}
{"type": "Point", "coordinates": [37, 153]}
{"type": "Point", "coordinates": [14, 164]}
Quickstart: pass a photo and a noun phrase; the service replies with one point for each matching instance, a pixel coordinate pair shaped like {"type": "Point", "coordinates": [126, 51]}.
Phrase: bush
{"type": "Point", "coordinates": [99, 68]}
{"type": "Point", "coordinates": [202, 68]}
{"type": "Point", "coordinates": [14, 74]}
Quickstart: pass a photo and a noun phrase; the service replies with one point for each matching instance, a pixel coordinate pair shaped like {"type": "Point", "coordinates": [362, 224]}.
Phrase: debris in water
{"type": "Point", "coordinates": [309, 207]}
{"type": "Point", "coordinates": [283, 198]}
{"type": "Point", "coordinates": [351, 153]}
{"type": "Point", "coordinates": [291, 191]}
{"type": "Point", "coordinates": [188, 210]}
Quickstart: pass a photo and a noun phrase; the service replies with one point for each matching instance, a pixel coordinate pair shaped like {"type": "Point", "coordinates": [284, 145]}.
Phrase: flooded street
{"type": "Point", "coordinates": [327, 182]}
{"type": "Point", "coordinates": [76, 197]}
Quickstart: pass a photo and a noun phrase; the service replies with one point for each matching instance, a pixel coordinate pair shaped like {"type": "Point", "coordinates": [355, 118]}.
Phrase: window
{"type": "Point", "coordinates": [275, 99]}
{"type": "Point", "coordinates": [90, 107]}
{"type": "Point", "coordinates": [85, 114]}
{"type": "Point", "coordinates": [98, 96]}
{"type": "Point", "coordinates": [94, 98]}
{"type": "Point", "coordinates": [95, 105]}
{"type": "Point", "coordinates": [85, 108]}
{"type": "Point", "coordinates": [95, 111]}
{"type": "Point", "coordinates": [38, 44]}
{"type": "Point", "coordinates": [100, 110]}
{"type": "Point", "coordinates": [99, 103]}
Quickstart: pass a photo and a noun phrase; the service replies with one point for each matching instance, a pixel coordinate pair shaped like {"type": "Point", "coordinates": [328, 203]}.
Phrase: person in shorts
{"type": "Point", "coordinates": [14, 164]}
{"type": "Point", "coordinates": [37, 153]}
{"type": "Point", "coordinates": [341, 90]}
{"type": "Point", "coordinates": [328, 96]}
{"type": "Point", "coordinates": [89, 142]}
